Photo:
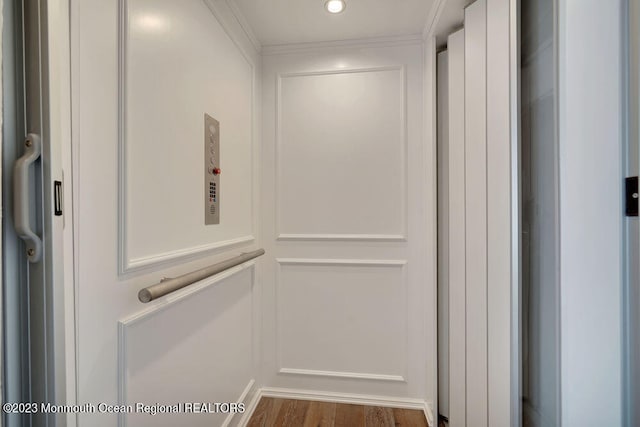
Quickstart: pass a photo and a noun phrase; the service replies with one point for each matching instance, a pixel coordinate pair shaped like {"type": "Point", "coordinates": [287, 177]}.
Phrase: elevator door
{"type": "Point", "coordinates": [33, 221]}
{"type": "Point", "coordinates": [475, 116]}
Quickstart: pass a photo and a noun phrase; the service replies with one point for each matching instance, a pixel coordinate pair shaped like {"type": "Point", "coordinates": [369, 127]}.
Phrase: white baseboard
{"type": "Point", "coordinates": [242, 399]}
{"type": "Point", "coordinates": [250, 408]}
{"type": "Point", "coordinates": [428, 413]}
{"type": "Point", "coordinates": [327, 396]}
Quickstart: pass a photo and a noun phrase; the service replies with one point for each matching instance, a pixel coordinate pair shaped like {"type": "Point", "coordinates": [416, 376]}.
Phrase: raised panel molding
{"type": "Point", "coordinates": [180, 254]}
{"type": "Point", "coordinates": [368, 376]}
{"type": "Point", "coordinates": [127, 264]}
{"type": "Point", "coordinates": [344, 237]}
{"type": "Point", "coordinates": [343, 262]}
{"type": "Point", "coordinates": [162, 305]}
{"type": "Point", "coordinates": [337, 374]}
{"type": "Point", "coordinates": [403, 137]}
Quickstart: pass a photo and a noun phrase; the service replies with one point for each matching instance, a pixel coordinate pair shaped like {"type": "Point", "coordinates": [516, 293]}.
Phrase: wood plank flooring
{"type": "Point", "coordinates": [272, 412]}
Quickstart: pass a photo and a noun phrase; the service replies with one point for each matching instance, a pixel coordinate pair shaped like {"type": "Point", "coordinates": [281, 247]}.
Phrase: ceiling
{"type": "Point", "coordinates": [276, 22]}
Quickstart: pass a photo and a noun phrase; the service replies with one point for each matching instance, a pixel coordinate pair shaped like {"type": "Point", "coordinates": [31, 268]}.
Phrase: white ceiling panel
{"type": "Point", "coordinates": [277, 22]}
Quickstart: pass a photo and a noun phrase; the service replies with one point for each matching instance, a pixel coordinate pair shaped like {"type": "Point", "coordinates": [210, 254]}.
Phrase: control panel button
{"type": "Point", "coordinates": [212, 170]}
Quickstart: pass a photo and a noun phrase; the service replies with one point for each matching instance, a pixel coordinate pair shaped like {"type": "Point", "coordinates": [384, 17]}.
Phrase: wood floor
{"type": "Point", "coordinates": [303, 413]}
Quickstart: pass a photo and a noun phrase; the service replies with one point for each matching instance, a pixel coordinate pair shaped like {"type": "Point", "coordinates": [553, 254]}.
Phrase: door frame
{"type": "Point", "coordinates": [37, 289]}
{"type": "Point", "coordinates": [61, 97]}
{"type": "Point", "coordinates": [47, 42]}
{"type": "Point", "coordinates": [631, 92]}
{"type": "Point", "coordinates": [516, 225]}
{"type": "Point", "coordinates": [59, 18]}
{"type": "Point", "coordinates": [591, 154]}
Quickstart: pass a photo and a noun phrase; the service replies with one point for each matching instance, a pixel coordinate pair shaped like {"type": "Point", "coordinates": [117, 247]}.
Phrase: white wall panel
{"type": "Point", "coordinates": [171, 56]}
{"type": "Point", "coordinates": [350, 306]}
{"type": "Point", "coordinates": [457, 227]}
{"type": "Point", "coordinates": [198, 348]}
{"type": "Point", "coordinates": [344, 128]}
{"type": "Point", "coordinates": [476, 209]}
{"type": "Point", "coordinates": [339, 133]}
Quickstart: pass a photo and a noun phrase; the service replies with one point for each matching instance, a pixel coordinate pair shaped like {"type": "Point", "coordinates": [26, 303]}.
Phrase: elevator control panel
{"type": "Point", "coordinates": [212, 170]}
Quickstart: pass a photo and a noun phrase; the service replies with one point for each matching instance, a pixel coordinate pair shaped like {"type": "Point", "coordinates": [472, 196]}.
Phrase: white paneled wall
{"type": "Point", "coordinates": [479, 217]}
{"type": "Point", "coordinates": [162, 113]}
{"type": "Point", "coordinates": [144, 73]}
{"type": "Point", "coordinates": [344, 225]}
{"type": "Point", "coordinates": [307, 328]}
{"type": "Point", "coordinates": [356, 126]}
{"type": "Point", "coordinates": [199, 347]}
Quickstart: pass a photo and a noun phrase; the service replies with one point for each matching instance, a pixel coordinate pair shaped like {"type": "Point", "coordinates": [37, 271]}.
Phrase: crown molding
{"type": "Point", "coordinates": [244, 24]}
{"type": "Point", "coordinates": [432, 18]}
{"type": "Point", "coordinates": [280, 49]}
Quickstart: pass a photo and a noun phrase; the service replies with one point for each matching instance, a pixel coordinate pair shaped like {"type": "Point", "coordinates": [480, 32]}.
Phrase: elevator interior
{"type": "Point", "coordinates": [398, 162]}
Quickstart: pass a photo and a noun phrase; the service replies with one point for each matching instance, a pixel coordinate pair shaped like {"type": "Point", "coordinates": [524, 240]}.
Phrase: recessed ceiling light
{"type": "Point", "coordinates": [153, 23]}
{"type": "Point", "coordinates": [335, 6]}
